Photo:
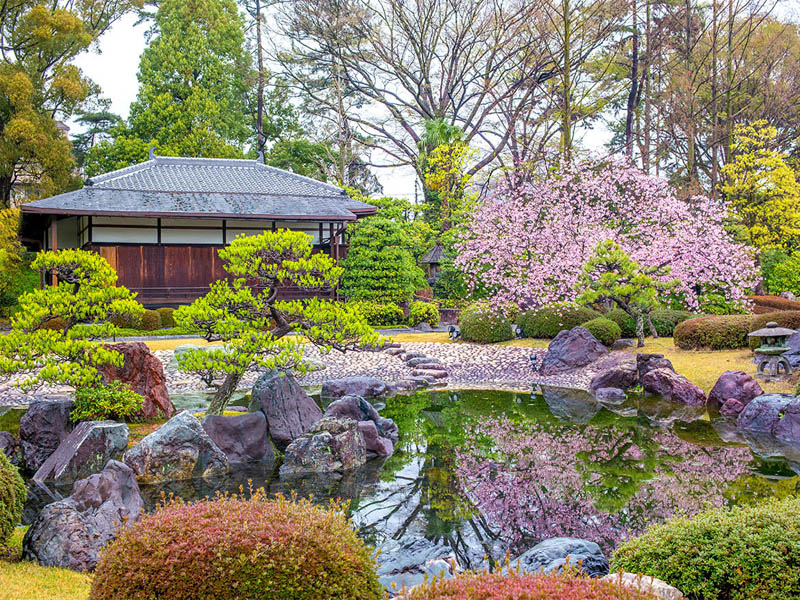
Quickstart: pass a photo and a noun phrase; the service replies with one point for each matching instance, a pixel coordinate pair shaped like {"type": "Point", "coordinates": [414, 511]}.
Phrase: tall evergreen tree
{"type": "Point", "coordinates": [193, 82]}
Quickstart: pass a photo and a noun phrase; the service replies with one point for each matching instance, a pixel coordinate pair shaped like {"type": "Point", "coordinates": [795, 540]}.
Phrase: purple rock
{"type": "Point", "coordinates": [620, 373]}
{"type": "Point", "coordinates": [649, 362]}
{"type": "Point", "coordinates": [42, 428]}
{"type": "Point", "coordinates": [243, 438]}
{"type": "Point", "coordinates": [289, 411]}
{"type": "Point", "coordinates": [375, 444]}
{"type": "Point", "coordinates": [570, 350]}
{"type": "Point", "coordinates": [671, 386]}
{"type": "Point", "coordinates": [731, 408]}
{"type": "Point", "coordinates": [366, 387]}
{"type": "Point", "coordinates": [736, 385]}
{"type": "Point", "coordinates": [331, 446]}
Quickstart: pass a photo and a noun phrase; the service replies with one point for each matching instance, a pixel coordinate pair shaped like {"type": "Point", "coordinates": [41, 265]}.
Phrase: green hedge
{"type": "Point", "coordinates": [167, 317]}
{"type": "Point", "coordinates": [482, 323]}
{"type": "Point", "coordinates": [627, 324]}
{"type": "Point", "coordinates": [604, 330]}
{"type": "Point", "coordinates": [423, 312]}
{"type": "Point", "coordinates": [548, 321]}
{"type": "Point", "coordinates": [743, 553]}
{"type": "Point", "coordinates": [150, 321]}
{"type": "Point", "coordinates": [380, 314]}
{"type": "Point", "coordinates": [12, 498]}
{"type": "Point", "coordinates": [720, 332]}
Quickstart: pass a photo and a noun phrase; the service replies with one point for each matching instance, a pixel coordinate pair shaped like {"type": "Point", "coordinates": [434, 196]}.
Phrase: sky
{"type": "Point", "coordinates": [113, 65]}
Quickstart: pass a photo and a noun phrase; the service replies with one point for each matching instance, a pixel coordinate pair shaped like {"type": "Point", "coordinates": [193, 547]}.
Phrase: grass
{"type": "Point", "coordinates": [24, 580]}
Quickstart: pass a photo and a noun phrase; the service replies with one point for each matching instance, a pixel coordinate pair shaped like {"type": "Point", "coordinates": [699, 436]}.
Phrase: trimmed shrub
{"type": "Point", "coordinates": [496, 586]}
{"type": "Point", "coordinates": [548, 321]}
{"type": "Point", "coordinates": [665, 320]}
{"type": "Point", "coordinates": [126, 321]}
{"type": "Point", "coordinates": [116, 401]}
{"type": "Point", "coordinates": [167, 319]}
{"type": "Point", "coordinates": [12, 498]}
{"type": "Point", "coordinates": [627, 324]}
{"type": "Point", "coordinates": [482, 323]}
{"type": "Point", "coordinates": [713, 332]}
{"type": "Point", "coordinates": [150, 321]}
{"type": "Point", "coordinates": [762, 304]}
{"type": "Point", "coordinates": [741, 553]}
{"type": "Point", "coordinates": [423, 312]}
{"type": "Point", "coordinates": [784, 318]}
{"type": "Point", "coordinates": [230, 548]}
{"type": "Point", "coordinates": [604, 330]}
{"type": "Point", "coordinates": [379, 314]}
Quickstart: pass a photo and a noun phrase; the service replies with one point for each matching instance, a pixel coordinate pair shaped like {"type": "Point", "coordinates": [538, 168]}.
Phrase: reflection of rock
{"type": "Point", "coordinates": [666, 412]}
{"type": "Point", "coordinates": [767, 446]}
{"type": "Point", "coordinates": [71, 533]}
{"type": "Point", "coordinates": [775, 414]}
{"type": "Point", "coordinates": [290, 412]}
{"type": "Point", "coordinates": [669, 385]}
{"type": "Point", "coordinates": [619, 371]}
{"type": "Point", "coordinates": [379, 434]}
{"type": "Point", "coordinates": [42, 428]}
{"type": "Point", "coordinates": [649, 362]}
{"type": "Point", "coordinates": [553, 554]}
{"type": "Point", "coordinates": [85, 451]}
{"type": "Point", "coordinates": [9, 445]}
{"type": "Point", "coordinates": [243, 438]}
{"type": "Point", "coordinates": [570, 350]}
{"type": "Point", "coordinates": [411, 561]}
{"type": "Point", "coordinates": [575, 406]}
{"type": "Point", "coordinates": [366, 387]}
{"type": "Point", "coordinates": [733, 385]}
{"type": "Point", "coordinates": [144, 373]}
{"type": "Point", "coordinates": [179, 449]}
{"type": "Point", "coordinates": [331, 445]}
{"type": "Point", "coordinates": [646, 584]}
{"type": "Point", "coordinates": [610, 394]}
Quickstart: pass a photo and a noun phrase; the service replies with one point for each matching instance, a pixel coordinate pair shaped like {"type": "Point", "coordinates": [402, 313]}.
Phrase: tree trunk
{"type": "Point", "coordinates": [634, 91]}
{"type": "Point", "coordinates": [260, 141]}
{"type": "Point", "coordinates": [653, 331]}
{"type": "Point", "coordinates": [639, 330]}
{"type": "Point", "coordinates": [5, 192]}
{"type": "Point", "coordinates": [224, 393]}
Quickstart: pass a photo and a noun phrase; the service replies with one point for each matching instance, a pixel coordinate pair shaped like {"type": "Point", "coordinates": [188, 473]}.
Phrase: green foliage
{"type": "Point", "coordinates": [423, 312]}
{"type": "Point", "coordinates": [717, 304]}
{"type": "Point", "coordinates": [232, 548]}
{"type": "Point", "coordinates": [547, 321]}
{"type": "Point", "coordinates": [741, 553]}
{"type": "Point", "coordinates": [785, 276]}
{"type": "Point", "coordinates": [665, 320]}
{"type": "Point", "coordinates": [245, 314]}
{"type": "Point", "coordinates": [151, 320]}
{"type": "Point", "coordinates": [56, 336]}
{"type": "Point", "coordinates": [378, 264]}
{"type": "Point", "coordinates": [627, 324]}
{"type": "Point", "coordinates": [768, 260]}
{"type": "Point", "coordinates": [115, 401]}
{"type": "Point", "coordinates": [16, 276]}
{"type": "Point", "coordinates": [605, 330]}
{"type": "Point", "coordinates": [302, 156]}
{"type": "Point", "coordinates": [167, 317]}
{"type": "Point", "coordinates": [379, 314]}
{"type": "Point", "coordinates": [713, 332]}
{"type": "Point", "coordinates": [483, 323]}
{"type": "Point", "coordinates": [12, 498]}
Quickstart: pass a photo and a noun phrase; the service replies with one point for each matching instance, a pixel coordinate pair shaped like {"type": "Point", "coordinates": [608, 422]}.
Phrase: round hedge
{"type": "Point", "coordinates": [12, 498]}
{"type": "Point", "coordinates": [151, 320]}
{"type": "Point", "coordinates": [496, 586]}
{"type": "Point", "coordinates": [627, 324]}
{"type": "Point", "coordinates": [482, 323]}
{"type": "Point", "coordinates": [713, 332]}
{"type": "Point", "coordinates": [167, 317]}
{"type": "Point", "coordinates": [231, 548]}
{"type": "Point", "coordinates": [423, 312]}
{"type": "Point", "coordinates": [548, 321]}
{"type": "Point", "coordinates": [604, 330]}
{"type": "Point", "coordinates": [743, 553]}
{"type": "Point", "coordinates": [379, 314]}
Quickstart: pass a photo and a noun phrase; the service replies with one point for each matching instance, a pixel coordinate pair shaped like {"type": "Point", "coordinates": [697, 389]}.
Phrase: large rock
{"type": "Point", "coordinates": [290, 412]}
{"type": "Point", "coordinates": [243, 438]}
{"type": "Point", "coordinates": [409, 562]}
{"type": "Point", "coordinates": [570, 350]}
{"type": "Point", "coordinates": [42, 428]}
{"type": "Point", "coordinates": [380, 434]}
{"type": "Point", "coordinates": [366, 387]}
{"type": "Point", "coordinates": [179, 449]}
{"type": "Point", "coordinates": [84, 451]}
{"type": "Point", "coordinates": [649, 362]}
{"type": "Point", "coordinates": [553, 555]}
{"type": "Point", "coordinates": [669, 385]}
{"type": "Point", "coordinates": [70, 533]}
{"type": "Point", "coordinates": [793, 354]}
{"type": "Point", "coordinates": [332, 445]}
{"type": "Point", "coordinates": [9, 445]}
{"type": "Point", "coordinates": [575, 406]}
{"type": "Point", "coordinates": [647, 584]}
{"type": "Point", "coordinates": [733, 385]}
{"type": "Point", "coordinates": [777, 415]}
{"type": "Point", "coordinates": [620, 372]}
{"type": "Point", "coordinates": [143, 372]}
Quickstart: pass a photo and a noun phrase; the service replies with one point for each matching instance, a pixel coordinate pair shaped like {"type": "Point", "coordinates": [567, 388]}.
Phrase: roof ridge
{"type": "Point", "coordinates": [304, 177]}
{"type": "Point", "coordinates": [170, 192]}
{"type": "Point", "coordinates": [103, 177]}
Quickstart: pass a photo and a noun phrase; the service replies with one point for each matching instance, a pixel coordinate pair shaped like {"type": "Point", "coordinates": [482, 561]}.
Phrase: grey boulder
{"type": "Point", "coordinates": [571, 349]}
{"type": "Point", "coordinates": [42, 428]}
{"type": "Point", "coordinates": [333, 445]}
{"type": "Point", "coordinates": [70, 533]}
{"type": "Point", "coordinates": [366, 387]}
{"type": "Point", "coordinates": [620, 371]}
{"type": "Point", "coordinates": [289, 411]}
{"type": "Point", "coordinates": [380, 434]}
{"type": "Point", "coordinates": [669, 385]}
{"type": "Point", "coordinates": [733, 385]}
{"type": "Point", "coordinates": [649, 362]}
{"type": "Point", "coordinates": [647, 584]}
{"type": "Point", "coordinates": [243, 438]}
{"type": "Point", "coordinates": [777, 415]}
{"type": "Point", "coordinates": [9, 445]}
{"type": "Point", "coordinates": [553, 555]}
{"type": "Point", "coordinates": [85, 451]}
{"type": "Point", "coordinates": [179, 449]}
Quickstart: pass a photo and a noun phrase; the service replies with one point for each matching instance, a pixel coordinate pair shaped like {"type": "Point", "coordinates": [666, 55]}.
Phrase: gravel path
{"type": "Point", "coordinates": [468, 365]}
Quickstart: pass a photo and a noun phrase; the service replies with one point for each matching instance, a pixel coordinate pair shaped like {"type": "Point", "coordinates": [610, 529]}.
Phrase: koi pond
{"type": "Point", "coordinates": [485, 471]}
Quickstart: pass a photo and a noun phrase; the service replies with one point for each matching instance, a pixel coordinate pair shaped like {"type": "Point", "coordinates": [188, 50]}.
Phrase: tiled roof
{"type": "Point", "coordinates": [205, 187]}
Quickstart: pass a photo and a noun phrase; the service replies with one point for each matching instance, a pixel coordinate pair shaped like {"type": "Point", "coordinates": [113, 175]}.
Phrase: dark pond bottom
{"type": "Point", "coordinates": [490, 471]}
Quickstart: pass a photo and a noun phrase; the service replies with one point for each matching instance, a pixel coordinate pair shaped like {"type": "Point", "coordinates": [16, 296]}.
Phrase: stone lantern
{"type": "Point", "coordinates": [769, 355]}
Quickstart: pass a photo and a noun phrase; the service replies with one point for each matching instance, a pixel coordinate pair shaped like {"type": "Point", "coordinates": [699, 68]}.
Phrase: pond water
{"type": "Point", "coordinates": [487, 471]}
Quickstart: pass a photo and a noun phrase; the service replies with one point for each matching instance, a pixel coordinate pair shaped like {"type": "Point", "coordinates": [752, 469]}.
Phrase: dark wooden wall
{"type": "Point", "coordinates": [172, 275]}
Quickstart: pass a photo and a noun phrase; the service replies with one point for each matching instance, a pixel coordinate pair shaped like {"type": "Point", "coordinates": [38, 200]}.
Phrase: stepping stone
{"type": "Point", "coordinates": [413, 362]}
{"type": "Point", "coordinates": [394, 351]}
{"type": "Point", "coordinates": [439, 374]}
{"type": "Point", "coordinates": [409, 355]}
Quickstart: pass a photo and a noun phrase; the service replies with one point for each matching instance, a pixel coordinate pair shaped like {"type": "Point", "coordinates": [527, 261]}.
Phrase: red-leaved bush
{"type": "Point", "coordinates": [495, 586]}
{"type": "Point", "coordinates": [234, 548]}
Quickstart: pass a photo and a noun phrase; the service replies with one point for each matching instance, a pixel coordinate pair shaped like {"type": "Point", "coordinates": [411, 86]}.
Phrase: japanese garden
{"type": "Point", "coordinates": [365, 299]}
